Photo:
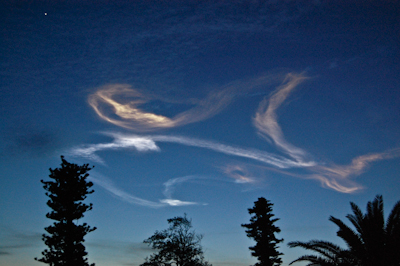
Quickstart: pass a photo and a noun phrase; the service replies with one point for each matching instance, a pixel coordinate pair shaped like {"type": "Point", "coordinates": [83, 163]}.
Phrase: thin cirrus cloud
{"type": "Point", "coordinates": [126, 114]}
{"type": "Point", "coordinates": [108, 185]}
{"type": "Point", "coordinates": [148, 143]}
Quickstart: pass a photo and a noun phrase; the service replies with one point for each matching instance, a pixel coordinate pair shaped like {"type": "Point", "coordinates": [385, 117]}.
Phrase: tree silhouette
{"type": "Point", "coordinates": [262, 229]}
{"type": "Point", "coordinates": [372, 243]}
{"type": "Point", "coordinates": [66, 194]}
{"type": "Point", "coordinates": [178, 245]}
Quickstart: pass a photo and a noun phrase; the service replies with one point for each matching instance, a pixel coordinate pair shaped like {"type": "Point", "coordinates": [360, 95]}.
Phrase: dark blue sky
{"type": "Point", "coordinates": [198, 107]}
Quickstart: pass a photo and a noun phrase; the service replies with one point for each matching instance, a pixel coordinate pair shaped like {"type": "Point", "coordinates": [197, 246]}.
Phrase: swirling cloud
{"type": "Point", "coordinates": [120, 104]}
{"type": "Point", "coordinates": [127, 113]}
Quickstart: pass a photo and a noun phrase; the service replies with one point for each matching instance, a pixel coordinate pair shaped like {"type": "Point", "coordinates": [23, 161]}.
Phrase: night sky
{"type": "Point", "coordinates": [197, 107]}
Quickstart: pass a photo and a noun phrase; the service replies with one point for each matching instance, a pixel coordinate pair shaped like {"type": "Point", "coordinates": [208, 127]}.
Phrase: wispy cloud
{"type": "Point", "coordinates": [338, 177]}
{"type": "Point", "coordinates": [170, 184]}
{"type": "Point", "coordinates": [175, 202]}
{"type": "Point", "coordinates": [170, 188]}
{"type": "Point", "coordinates": [239, 174]}
{"type": "Point", "coordinates": [129, 115]}
{"type": "Point", "coordinates": [148, 143]}
{"type": "Point", "coordinates": [14, 240]}
{"type": "Point", "coordinates": [108, 185]}
{"type": "Point", "coordinates": [121, 141]}
{"type": "Point", "coordinates": [6, 249]}
{"type": "Point", "coordinates": [266, 120]}
{"type": "Point", "coordinates": [122, 105]}
{"type": "Point", "coordinates": [108, 105]}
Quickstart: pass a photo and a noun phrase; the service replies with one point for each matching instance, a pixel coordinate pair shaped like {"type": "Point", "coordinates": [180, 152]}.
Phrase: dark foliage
{"type": "Point", "coordinates": [329, 254]}
{"type": "Point", "coordinates": [66, 237]}
{"type": "Point", "coordinates": [373, 243]}
{"type": "Point", "coordinates": [262, 229]}
{"type": "Point", "coordinates": [178, 245]}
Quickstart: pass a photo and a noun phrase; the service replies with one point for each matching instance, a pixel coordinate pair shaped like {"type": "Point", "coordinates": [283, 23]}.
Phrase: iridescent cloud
{"type": "Point", "coordinates": [126, 113]}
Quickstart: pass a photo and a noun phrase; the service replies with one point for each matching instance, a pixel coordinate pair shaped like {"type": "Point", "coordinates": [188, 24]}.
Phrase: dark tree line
{"type": "Point", "coordinates": [373, 242]}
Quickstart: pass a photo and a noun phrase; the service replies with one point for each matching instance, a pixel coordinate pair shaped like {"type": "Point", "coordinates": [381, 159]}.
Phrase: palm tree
{"type": "Point", "coordinates": [330, 254]}
{"type": "Point", "coordinates": [373, 243]}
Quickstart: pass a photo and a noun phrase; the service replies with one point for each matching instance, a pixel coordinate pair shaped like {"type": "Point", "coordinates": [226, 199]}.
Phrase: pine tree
{"type": "Point", "coordinates": [66, 236]}
{"type": "Point", "coordinates": [262, 229]}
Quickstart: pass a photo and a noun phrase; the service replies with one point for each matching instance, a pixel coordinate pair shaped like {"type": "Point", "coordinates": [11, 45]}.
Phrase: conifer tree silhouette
{"type": "Point", "coordinates": [262, 229]}
{"type": "Point", "coordinates": [65, 237]}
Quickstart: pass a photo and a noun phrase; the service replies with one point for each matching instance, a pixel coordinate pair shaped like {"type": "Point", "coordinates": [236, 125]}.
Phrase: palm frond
{"type": "Point", "coordinates": [356, 218]}
{"type": "Point", "coordinates": [371, 243]}
{"type": "Point", "coordinates": [393, 221]}
{"type": "Point", "coordinates": [375, 215]}
{"type": "Point", "coordinates": [314, 260]}
{"type": "Point", "coordinates": [352, 239]}
{"type": "Point", "coordinates": [328, 250]}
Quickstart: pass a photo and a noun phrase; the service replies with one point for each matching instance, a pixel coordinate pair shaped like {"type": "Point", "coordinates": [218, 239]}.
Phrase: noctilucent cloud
{"type": "Point", "coordinates": [197, 107]}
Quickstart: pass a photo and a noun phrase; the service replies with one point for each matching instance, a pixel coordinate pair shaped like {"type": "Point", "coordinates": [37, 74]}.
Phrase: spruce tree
{"type": "Point", "coordinates": [262, 229]}
{"type": "Point", "coordinates": [65, 236]}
